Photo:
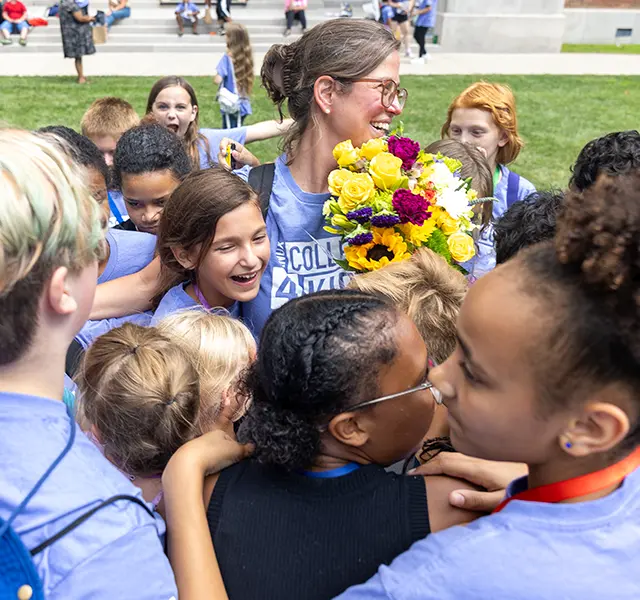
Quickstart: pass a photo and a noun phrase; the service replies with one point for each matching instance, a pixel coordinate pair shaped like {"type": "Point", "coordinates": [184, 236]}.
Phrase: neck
{"type": "Point", "coordinates": [37, 373]}
{"type": "Point", "coordinates": [150, 486]}
{"type": "Point", "coordinates": [334, 455]}
{"type": "Point", "coordinates": [212, 296]}
{"type": "Point", "coordinates": [562, 470]}
{"type": "Point", "coordinates": [311, 175]}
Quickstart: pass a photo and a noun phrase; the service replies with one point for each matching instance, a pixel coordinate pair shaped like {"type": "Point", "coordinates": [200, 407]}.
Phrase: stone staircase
{"type": "Point", "coordinates": [152, 28]}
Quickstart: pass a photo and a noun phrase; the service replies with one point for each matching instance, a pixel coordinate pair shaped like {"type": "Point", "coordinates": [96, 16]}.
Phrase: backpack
{"type": "Point", "coordinates": [261, 180]}
{"type": "Point", "coordinates": [19, 578]}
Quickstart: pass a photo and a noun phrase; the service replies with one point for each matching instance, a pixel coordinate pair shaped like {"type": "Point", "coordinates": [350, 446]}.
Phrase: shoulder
{"type": "Point", "coordinates": [174, 300]}
{"type": "Point", "coordinates": [441, 514]}
{"type": "Point", "coordinates": [82, 480]}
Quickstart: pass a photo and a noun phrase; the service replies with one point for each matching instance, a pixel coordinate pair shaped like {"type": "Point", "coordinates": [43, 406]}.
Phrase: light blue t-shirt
{"type": "Point", "coordinates": [177, 299]}
{"type": "Point", "coordinates": [302, 252]}
{"type": "Point", "coordinates": [225, 70]}
{"type": "Point", "coordinates": [427, 19]}
{"type": "Point", "coordinates": [130, 251]}
{"type": "Point", "coordinates": [386, 12]}
{"type": "Point", "coordinates": [528, 551]}
{"type": "Point", "coordinates": [118, 208]}
{"type": "Point", "coordinates": [525, 188]}
{"type": "Point", "coordinates": [214, 136]}
{"type": "Point", "coordinates": [117, 552]}
{"type": "Point", "coordinates": [93, 329]}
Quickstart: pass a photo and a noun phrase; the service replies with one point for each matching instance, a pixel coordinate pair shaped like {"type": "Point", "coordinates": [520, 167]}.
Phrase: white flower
{"type": "Point", "coordinates": [442, 178]}
{"type": "Point", "coordinates": [454, 201]}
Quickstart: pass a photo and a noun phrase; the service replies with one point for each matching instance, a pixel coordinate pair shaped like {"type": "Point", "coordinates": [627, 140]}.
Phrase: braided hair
{"type": "Point", "coordinates": [318, 355]}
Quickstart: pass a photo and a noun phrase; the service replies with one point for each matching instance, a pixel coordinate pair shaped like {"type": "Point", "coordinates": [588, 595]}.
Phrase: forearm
{"type": "Point", "coordinates": [127, 295]}
{"type": "Point", "coordinates": [266, 130]}
{"type": "Point", "coordinates": [191, 552]}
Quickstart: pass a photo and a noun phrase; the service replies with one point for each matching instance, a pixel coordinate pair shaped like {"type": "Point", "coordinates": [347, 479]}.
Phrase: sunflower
{"type": "Point", "coordinates": [417, 235]}
{"type": "Point", "coordinates": [387, 247]}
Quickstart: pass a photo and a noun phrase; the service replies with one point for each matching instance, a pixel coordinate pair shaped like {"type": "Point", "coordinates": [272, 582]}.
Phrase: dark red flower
{"type": "Point", "coordinates": [404, 148]}
{"type": "Point", "coordinates": [410, 207]}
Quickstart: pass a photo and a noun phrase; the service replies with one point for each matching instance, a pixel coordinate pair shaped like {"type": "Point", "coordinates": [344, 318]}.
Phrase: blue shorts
{"type": "Point", "coordinates": [16, 28]}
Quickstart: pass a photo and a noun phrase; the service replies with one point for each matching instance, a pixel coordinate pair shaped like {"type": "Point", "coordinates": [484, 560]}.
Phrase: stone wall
{"type": "Point", "coordinates": [602, 4]}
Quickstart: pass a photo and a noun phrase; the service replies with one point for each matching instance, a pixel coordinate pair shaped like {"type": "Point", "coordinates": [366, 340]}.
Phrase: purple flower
{"type": "Point", "coordinates": [410, 207]}
{"type": "Point", "coordinates": [362, 215]}
{"type": "Point", "coordinates": [361, 239]}
{"type": "Point", "coordinates": [404, 148]}
{"type": "Point", "coordinates": [385, 221]}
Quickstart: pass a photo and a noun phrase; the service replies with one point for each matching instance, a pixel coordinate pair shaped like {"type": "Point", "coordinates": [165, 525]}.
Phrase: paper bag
{"type": "Point", "coordinates": [100, 34]}
{"type": "Point", "coordinates": [208, 19]}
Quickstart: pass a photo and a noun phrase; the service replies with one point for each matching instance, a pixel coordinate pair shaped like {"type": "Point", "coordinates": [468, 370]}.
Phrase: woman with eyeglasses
{"type": "Point", "coordinates": [339, 391]}
{"type": "Point", "coordinates": [339, 81]}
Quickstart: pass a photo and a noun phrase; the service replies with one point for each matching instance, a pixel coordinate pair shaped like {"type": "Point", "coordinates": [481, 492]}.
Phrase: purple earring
{"type": "Point", "coordinates": [568, 444]}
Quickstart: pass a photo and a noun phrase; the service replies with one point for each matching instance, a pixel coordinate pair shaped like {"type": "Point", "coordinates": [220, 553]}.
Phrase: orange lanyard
{"type": "Point", "coordinates": [579, 486]}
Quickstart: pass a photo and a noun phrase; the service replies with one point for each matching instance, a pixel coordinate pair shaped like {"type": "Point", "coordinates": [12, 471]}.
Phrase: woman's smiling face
{"type": "Point", "coordinates": [359, 114]}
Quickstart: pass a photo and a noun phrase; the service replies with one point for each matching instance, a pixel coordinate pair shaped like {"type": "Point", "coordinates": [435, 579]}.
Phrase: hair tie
{"type": "Point", "coordinates": [134, 350]}
{"type": "Point", "coordinates": [171, 401]}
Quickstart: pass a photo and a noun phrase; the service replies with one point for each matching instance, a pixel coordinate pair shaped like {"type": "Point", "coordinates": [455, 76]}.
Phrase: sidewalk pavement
{"type": "Point", "coordinates": [190, 64]}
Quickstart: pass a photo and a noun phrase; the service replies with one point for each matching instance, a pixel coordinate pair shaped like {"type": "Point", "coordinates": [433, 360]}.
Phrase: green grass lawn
{"type": "Point", "coordinates": [602, 48]}
{"type": "Point", "coordinates": [557, 114]}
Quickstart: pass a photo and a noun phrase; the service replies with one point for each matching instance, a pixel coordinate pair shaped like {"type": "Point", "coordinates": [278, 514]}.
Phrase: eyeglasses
{"type": "Point", "coordinates": [389, 91]}
{"type": "Point", "coordinates": [426, 385]}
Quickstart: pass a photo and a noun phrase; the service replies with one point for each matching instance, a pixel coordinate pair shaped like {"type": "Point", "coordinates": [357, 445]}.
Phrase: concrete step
{"type": "Point", "coordinates": [160, 46]}
{"type": "Point", "coordinates": [167, 27]}
{"type": "Point", "coordinates": [204, 38]}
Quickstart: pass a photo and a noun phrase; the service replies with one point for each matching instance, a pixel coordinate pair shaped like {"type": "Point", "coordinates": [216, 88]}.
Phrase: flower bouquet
{"type": "Point", "coordinates": [390, 198]}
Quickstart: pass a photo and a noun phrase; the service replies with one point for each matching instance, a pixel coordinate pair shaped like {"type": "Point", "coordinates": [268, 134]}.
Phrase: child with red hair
{"type": "Point", "coordinates": [484, 115]}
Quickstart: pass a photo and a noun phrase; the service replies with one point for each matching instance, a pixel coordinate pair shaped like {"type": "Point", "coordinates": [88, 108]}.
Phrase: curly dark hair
{"type": "Point", "coordinates": [318, 355]}
{"type": "Point", "coordinates": [83, 151]}
{"type": "Point", "coordinates": [613, 154]}
{"type": "Point", "coordinates": [527, 222]}
{"type": "Point", "coordinates": [147, 148]}
{"type": "Point", "coordinates": [589, 284]}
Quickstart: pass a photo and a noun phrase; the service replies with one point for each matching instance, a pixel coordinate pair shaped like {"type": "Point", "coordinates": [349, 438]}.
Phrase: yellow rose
{"type": "Point", "coordinates": [337, 177]}
{"type": "Point", "coordinates": [385, 170]}
{"type": "Point", "coordinates": [447, 223]}
{"type": "Point", "coordinates": [461, 246]}
{"type": "Point", "coordinates": [356, 190]}
{"type": "Point", "coordinates": [373, 148]}
{"type": "Point", "coordinates": [345, 154]}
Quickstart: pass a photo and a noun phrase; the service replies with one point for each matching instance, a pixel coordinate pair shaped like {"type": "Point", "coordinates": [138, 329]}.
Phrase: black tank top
{"type": "Point", "coordinates": [286, 536]}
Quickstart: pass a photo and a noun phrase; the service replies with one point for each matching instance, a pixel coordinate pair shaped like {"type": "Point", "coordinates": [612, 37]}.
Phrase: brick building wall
{"type": "Point", "coordinates": [602, 4]}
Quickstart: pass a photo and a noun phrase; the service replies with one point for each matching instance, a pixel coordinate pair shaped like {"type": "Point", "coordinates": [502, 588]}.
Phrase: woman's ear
{"type": "Point", "coordinates": [194, 113]}
{"type": "Point", "coordinates": [187, 259]}
{"type": "Point", "coordinates": [324, 93]}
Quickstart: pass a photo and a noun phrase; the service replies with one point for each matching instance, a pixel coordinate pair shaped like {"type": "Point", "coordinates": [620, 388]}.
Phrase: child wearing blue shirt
{"type": "Point", "coordinates": [187, 11]}
{"type": "Point", "coordinates": [103, 123]}
{"type": "Point", "coordinates": [213, 244]}
{"type": "Point", "coordinates": [550, 379]}
{"type": "Point", "coordinates": [425, 12]}
{"type": "Point", "coordinates": [45, 296]}
{"type": "Point", "coordinates": [234, 72]}
{"type": "Point", "coordinates": [484, 115]}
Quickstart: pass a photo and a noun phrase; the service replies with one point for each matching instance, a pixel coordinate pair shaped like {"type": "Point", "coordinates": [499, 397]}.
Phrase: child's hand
{"type": "Point", "coordinates": [207, 454]}
{"type": "Point", "coordinates": [240, 155]}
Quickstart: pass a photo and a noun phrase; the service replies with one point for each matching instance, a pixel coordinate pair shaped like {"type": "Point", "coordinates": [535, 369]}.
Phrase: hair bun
{"type": "Point", "coordinates": [599, 233]}
{"type": "Point", "coordinates": [274, 72]}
